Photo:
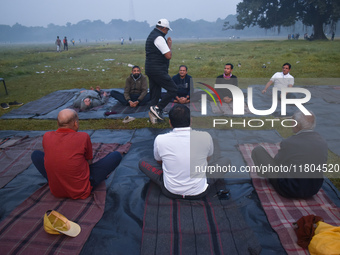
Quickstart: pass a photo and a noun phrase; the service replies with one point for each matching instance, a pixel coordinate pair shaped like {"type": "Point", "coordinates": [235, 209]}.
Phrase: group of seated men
{"type": "Point", "coordinates": [136, 88]}
{"type": "Point", "coordinates": [70, 172]}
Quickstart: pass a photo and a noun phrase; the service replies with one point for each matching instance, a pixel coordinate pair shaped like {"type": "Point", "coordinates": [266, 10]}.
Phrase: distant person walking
{"type": "Point", "coordinates": [65, 43]}
{"type": "Point", "coordinates": [158, 55]}
{"type": "Point", "coordinates": [333, 34]}
{"type": "Point", "coordinates": [58, 43]}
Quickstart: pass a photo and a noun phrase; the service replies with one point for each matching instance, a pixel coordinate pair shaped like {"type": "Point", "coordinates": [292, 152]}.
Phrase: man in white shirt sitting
{"type": "Point", "coordinates": [180, 153]}
{"type": "Point", "coordinates": [281, 80]}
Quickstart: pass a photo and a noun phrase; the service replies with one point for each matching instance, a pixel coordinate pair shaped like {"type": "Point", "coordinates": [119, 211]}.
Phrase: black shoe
{"type": "Point", "coordinates": [4, 106]}
{"type": "Point", "coordinates": [15, 103]}
{"type": "Point", "coordinates": [157, 112]}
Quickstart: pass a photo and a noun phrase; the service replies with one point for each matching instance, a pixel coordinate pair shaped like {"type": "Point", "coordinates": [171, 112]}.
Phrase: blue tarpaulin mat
{"type": "Point", "coordinates": [120, 229]}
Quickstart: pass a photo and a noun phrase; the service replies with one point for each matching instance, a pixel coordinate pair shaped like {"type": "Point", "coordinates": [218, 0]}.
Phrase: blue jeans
{"type": "Point", "coordinates": [98, 171]}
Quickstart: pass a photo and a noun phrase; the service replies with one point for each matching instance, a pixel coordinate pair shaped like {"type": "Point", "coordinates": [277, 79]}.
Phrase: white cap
{"type": "Point", "coordinates": [164, 23]}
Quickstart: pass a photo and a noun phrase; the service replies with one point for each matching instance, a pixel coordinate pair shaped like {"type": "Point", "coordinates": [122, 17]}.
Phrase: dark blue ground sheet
{"type": "Point", "coordinates": [120, 229]}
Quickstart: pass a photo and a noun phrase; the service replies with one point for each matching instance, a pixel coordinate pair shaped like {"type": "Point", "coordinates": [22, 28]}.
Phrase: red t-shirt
{"type": "Point", "coordinates": [66, 155]}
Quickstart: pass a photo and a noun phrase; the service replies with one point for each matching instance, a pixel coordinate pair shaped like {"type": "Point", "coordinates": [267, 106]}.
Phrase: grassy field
{"type": "Point", "coordinates": [33, 71]}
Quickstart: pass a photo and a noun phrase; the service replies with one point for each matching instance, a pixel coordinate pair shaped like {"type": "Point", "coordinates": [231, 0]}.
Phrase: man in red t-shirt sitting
{"type": "Point", "coordinates": [67, 159]}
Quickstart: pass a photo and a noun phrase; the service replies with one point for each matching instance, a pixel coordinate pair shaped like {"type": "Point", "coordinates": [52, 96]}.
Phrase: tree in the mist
{"type": "Point", "coordinates": [320, 14]}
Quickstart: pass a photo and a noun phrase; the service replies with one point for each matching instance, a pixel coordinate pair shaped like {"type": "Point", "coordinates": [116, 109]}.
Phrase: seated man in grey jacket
{"type": "Point", "coordinates": [135, 91]}
{"type": "Point", "coordinates": [88, 99]}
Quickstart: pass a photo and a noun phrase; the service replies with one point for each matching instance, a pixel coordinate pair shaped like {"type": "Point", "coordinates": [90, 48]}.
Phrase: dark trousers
{"type": "Point", "coordinates": [154, 171]}
{"type": "Point", "coordinates": [156, 83]}
{"type": "Point", "coordinates": [134, 97]}
{"type": "Point", "coordinates": [261, 157]}
{"type": "Point", "coordinates": [98, 170]}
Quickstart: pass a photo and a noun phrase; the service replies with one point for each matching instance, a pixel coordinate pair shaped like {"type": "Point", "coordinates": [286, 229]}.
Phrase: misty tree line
{"type": "Point", "coordinates": [97, 30]}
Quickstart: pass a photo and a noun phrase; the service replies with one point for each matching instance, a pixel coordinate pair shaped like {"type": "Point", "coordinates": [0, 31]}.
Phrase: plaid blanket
{"type": "Point", "coordinates": [15, 158]}
{"type": "Point", "coordinates": [22, 231]}
{"type": "Point", "coordinates": [281, 212]}
{"type": "Point", "coordinates": [45, 104]}
{"type": "Point", "coordinates": [205, 226]}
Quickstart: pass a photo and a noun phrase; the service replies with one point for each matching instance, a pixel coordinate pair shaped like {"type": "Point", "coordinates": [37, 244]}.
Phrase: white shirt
{"type": "Point", "coordinates": [173, 149]}
{"type": "Point", "coordinates": [161, 44]}
{"type": "Point", "coordinates": [282, 81]}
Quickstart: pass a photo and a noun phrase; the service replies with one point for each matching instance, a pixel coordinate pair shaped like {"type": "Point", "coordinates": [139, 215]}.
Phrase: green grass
{"type": "Point", "coordinates": [33, 71]}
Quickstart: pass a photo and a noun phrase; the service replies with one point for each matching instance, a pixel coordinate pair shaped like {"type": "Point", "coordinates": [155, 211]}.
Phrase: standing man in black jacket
{"type": "Point", "coordinates": [158, 55]}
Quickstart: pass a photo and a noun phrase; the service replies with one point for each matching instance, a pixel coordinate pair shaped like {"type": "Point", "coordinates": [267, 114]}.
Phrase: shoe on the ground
{"type": "Point", "coordinates": [15, 103]}
{"type": "Point", "coordinates": [109, 113]}
{"type": "Point", "coordinates": [153, 119]}
{"type": "Point", "coordinates": [128, 119]}
{"type": "Point", "coordinates": [4, 106]}
{"type": "Point", "coordinates": [157, 112]}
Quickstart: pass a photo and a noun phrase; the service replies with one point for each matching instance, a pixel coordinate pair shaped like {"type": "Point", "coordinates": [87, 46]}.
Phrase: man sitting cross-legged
{"type": "Point", "coordinates": [67, 159]}
{"type": "Point", "coordinates": [302, 152]}
{"type": "Point", "coordinates": [135, 91]}
{"type": "Point", "coordinates": [180, 153]}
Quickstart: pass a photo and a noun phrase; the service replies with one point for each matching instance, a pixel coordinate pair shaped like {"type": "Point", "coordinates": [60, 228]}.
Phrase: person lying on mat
{"type": "Point", "coordinates": [135, 91]}
{"type": "Point", "coordinates": [302, 152]}
{"type": "Point", "coordinates": [184, 83]}
{"type": "Point", "coordinates": [67, 159]}
{"type": "Point", "coordinates": [88, 99]}
{"type": "Point", "coordinates": [180, 158]}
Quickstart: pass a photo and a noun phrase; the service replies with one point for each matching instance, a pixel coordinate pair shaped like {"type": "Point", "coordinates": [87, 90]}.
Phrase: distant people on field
{"type": "Point", "coordinates": [130, 40]}
{"type": "Point", "coordinates": [281, 80]}
{"type": "Point", "coordinates": [333, 34]}
{"type": "Point", "coordinates": [121, 40]}
{"type": "Point", "coordinates": [158, 55]}
{"type": "Point", "coordinates": [226, 78]}
{"type": "Point", "coordinates": [305, 148]}
{"type": "Point", "coordinates": [58, 43]}
{"type": "Point", "coordinates": [88, 99]}
{"type": "Point", "coordinates": [66, 161]}
{"type": "Point", "coordinates": [65, 43]}
{"type": "Point", "coordinates": [184, 83]}
{"type": "Point", "coordinates": [135, 91]}
{"type": "Point", "coordinates": [73, 41]}
{"type": "Point", "coordinates": [293, 36]}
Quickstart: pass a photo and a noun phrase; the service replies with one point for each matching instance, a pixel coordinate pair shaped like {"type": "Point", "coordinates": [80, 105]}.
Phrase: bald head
{"type": "Point", "coordinates": [307, 122]}
{"type": "Point", "coordinates": [68, 118]}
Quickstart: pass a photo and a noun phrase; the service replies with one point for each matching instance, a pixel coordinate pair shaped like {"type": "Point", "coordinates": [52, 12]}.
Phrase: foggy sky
{"type": "Point", "coordinates": [59, 12]}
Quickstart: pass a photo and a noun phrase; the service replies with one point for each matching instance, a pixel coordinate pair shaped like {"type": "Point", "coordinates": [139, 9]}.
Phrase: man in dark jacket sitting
{"type": "Point", "coordinates": [301, 153]}
{"type": "Point", "coordinates": [183, 82]}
